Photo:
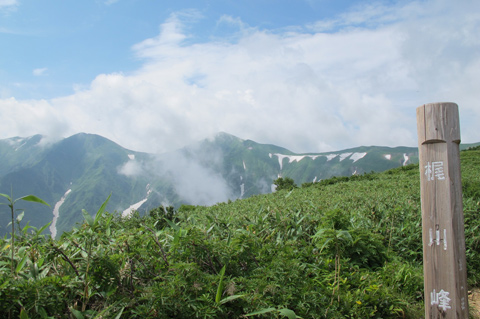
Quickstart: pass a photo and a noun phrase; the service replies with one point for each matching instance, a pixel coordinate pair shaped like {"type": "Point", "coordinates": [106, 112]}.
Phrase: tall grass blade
{"type": "Point", "coordinates": [220, 285]}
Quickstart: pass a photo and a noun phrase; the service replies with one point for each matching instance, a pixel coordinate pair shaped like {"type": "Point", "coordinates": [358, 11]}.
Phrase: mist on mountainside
{"type": "Point", "coordinates": [193, 179]}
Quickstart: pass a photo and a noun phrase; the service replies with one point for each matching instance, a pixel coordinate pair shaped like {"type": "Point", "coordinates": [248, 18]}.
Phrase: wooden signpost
{"type": "Point", "coordinates": [444, 262]}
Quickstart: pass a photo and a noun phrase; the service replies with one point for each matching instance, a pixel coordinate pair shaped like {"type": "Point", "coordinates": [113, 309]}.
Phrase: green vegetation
{"type": "Point", "coordinates": [11, 204]}
{"type": "Point", "coordinates": [343, 248]}
{"type": "Point", "coordinates": [284, 184]}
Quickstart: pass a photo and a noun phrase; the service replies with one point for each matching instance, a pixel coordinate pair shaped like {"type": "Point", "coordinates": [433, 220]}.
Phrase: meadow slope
{"type": "Point", "coordinates": [347, 247]}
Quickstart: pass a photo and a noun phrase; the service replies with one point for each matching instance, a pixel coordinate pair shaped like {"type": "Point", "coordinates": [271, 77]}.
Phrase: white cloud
{"type": "Point", "coordinates": [172, 33]}
{"type": "Point", "coordinates": [39, 71]}
{"type": "Point", "coordinates": [194, 182]}
{"type": "Point", "coordinates": [373, 15]}
{"type": "Point", "coordinates": [131, 168]}
{"type": "Point", "coordinates": [359, 84]}
{"type": "Point", "coordinates": [8, 3]}
{"type": "Point", "coordinates": [232, 27]}
{"type": "Point", "coordinates": [29, 117]}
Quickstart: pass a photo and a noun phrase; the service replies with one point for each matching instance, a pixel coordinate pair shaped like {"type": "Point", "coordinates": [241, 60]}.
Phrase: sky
{"type": "Point", "coordinates": [307, 75]}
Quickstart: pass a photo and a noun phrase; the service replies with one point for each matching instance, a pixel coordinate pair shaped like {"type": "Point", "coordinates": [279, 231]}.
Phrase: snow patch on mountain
{"type": "Point", "coordinates": [292, 158]}
{"type": "Point", "coordinates": [388, 156]}
{"type": "Point", "coordinates": [131, 156]}
{"type": "Point", "coordinates": [356, 156]}
{"type": "Point", "coordinates": [330, 156]}
{"type": "Point", "coordinates": [344, 156]}
{"type": "Point", "coordinates": [405, 159]}
{"type": "Point", "coordinates": [18, 142]}
{"type": "Point", "coordinates": [129, 211]}
{"type": "Point", "coordinates": [56, 213]}
{"type": "Point", "coordinates": [297, 158]}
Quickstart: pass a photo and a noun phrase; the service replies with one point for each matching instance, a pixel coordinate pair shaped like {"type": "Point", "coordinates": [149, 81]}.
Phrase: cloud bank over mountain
{"type": "Point", "coordinates": [348, 81]}
{"type": "Point", "coordinates": [196, 180]}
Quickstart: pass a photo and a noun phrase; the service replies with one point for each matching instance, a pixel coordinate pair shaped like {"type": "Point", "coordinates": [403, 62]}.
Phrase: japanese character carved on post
{"type": "Point", "coordinates": [442, 211]}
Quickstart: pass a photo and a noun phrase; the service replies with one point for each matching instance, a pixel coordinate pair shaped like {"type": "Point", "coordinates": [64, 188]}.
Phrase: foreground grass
{"type": "Point", "coordinates": [342, 248]}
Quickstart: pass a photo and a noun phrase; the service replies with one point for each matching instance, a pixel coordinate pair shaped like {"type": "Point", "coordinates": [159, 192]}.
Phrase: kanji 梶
{"type": "Point", "coordinates": [434, 170]}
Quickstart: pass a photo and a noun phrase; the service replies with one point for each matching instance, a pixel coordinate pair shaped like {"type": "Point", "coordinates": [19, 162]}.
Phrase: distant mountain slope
{"type": "Point", "coordinates": [86, 164]}
{"type": "Point", "coordinates": [86, 168]}
{"type": "Point", "coordinates": [250, 167]}
{"type": "Point", "coordinates": [17, 152]}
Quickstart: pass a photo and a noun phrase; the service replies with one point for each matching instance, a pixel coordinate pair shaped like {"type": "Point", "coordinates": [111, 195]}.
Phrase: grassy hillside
{"type": "Point", "coordinates": [347, 247]}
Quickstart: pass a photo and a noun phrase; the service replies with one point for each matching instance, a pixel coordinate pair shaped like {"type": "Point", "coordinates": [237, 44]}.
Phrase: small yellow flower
{"type": "Point", "coordinates": [359, 302]}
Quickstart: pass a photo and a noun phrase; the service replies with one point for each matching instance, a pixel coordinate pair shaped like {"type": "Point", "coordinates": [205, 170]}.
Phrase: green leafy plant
{"type": "Point", "coordinates": [11, 204]}
{"type": "Point", "coordinates": [335, 236]}
{"type": "Point", "coordinates": [290, 314]}
{"type": "Point", "coordinates": [286, 183]}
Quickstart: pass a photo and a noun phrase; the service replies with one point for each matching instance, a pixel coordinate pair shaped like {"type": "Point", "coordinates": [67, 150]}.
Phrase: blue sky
{"type": "Point", "coordinates": [313, 75]}
{"type": "Point", "coordinates": [50, 45]}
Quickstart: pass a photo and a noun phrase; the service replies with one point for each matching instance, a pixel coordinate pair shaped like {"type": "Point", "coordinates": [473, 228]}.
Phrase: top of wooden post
{"type": "Point", "coordinates": [446, 116]}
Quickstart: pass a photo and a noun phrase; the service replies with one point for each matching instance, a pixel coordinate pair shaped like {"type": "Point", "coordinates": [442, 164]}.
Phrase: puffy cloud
{"type": "Point", "coordinates": [311, 90]}
{"type": "Point", "coordinates": [30, 117]}
{"type": "Point", "coordinates": [131, 168]}
{"type": "Point", "coordinates": [194, 182]}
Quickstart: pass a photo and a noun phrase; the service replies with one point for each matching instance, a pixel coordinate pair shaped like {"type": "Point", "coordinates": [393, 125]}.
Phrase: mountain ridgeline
{"type": "Point", "coordinates": [81, 171]}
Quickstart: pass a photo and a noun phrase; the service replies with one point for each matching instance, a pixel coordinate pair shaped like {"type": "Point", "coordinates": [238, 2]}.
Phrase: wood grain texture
{"type": "Point", "coordinates": [444, 260]}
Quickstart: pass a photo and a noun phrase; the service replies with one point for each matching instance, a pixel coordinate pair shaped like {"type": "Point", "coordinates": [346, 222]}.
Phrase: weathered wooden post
{"type": "Point", "coordinates": [444, 261]}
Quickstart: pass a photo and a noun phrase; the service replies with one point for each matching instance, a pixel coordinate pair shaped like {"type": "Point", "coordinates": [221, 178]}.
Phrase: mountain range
{"type": "Point", "coordinates": [81, 171]}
